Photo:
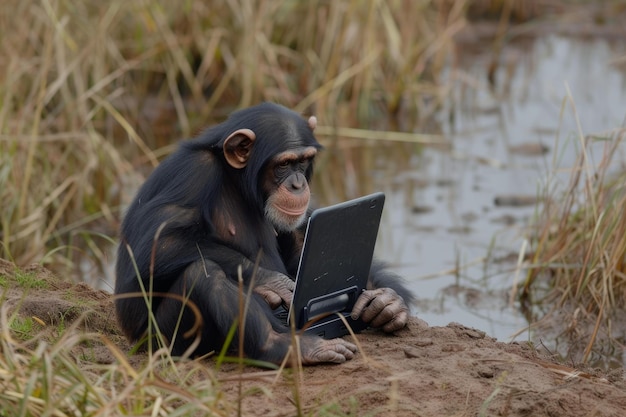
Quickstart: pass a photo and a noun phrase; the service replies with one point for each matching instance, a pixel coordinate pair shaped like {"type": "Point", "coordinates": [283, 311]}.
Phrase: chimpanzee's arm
{"type": "Point", "coordinates": [274, 286]}
{"type": "Point", "coordinates": [182, 239]}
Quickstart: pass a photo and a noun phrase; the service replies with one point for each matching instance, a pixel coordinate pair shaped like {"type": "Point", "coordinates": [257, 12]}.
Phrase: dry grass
{"type": "Point", "coordinates": [91, 90]}
{"type": "Point", "coordinates": [42, 377]}
{"type": "Point", "coordinates": [579, 241]}
{"type": "Point", "coordinates": [61, 367]}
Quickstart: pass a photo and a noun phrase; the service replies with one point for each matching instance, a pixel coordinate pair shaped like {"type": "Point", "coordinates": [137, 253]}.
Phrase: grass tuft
{"type": "Point", "coordinates": [49, 380]}
{"type": "Point", "coordinates": [579, 242]}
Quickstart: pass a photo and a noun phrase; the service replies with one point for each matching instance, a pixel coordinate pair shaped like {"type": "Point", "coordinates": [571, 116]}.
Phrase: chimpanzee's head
{"type": "Point", "coordinates": [273, 149]}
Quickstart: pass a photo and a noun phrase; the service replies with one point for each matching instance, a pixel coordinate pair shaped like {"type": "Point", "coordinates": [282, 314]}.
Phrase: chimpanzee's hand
{"type": "Point", "coordinates": [276, 289]}
{"type": "Point", "coordinates": [381, 307]}
{"type": "Point", "coordinates": [318, 350]}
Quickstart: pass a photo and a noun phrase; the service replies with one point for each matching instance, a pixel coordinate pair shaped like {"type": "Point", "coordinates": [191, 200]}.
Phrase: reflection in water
{"type": "Point", "coordinates": [441, 227]}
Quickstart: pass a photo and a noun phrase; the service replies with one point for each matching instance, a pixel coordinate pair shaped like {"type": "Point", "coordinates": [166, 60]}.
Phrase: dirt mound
{"type": "Point", "coordinates": [419, 371]}
{"type": "Point", "coordinates": [447, 371]}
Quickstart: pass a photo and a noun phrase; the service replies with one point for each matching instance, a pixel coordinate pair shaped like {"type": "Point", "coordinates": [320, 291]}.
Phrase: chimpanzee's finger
{"type": "Point", "coordinates": [270, 296]}
{"type": "Point", "coordinates": [398, 322]}
{"type": "Point", "coordinates": [363, 301]}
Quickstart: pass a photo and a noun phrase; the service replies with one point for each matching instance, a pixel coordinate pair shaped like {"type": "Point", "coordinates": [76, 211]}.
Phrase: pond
{"type": "Point", "coordinates": [452, 216]}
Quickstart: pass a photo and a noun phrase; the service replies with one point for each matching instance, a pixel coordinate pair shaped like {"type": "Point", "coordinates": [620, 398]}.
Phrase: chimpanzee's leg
{"type": "Point", "coordinates": [217, 298]}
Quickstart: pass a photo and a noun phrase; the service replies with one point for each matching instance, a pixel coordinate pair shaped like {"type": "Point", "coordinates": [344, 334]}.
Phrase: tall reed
{"type": "Point", "coordinates": [92, 92]}
{"type": "Point", "coordinates": [579, 243]}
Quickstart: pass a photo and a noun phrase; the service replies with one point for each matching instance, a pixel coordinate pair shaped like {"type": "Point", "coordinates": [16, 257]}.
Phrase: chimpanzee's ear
{"type": "Point", "coordinates": [312, 122]}
{"type": "Point", "coordinates": [237, 147]}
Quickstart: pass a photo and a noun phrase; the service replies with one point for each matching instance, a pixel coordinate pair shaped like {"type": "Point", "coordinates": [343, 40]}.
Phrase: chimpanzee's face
{"type": "Point", "coordinates": [286, 186]}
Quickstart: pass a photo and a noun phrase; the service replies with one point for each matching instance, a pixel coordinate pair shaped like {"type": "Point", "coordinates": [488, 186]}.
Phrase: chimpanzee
{"type": "Point", "coordinates": [228, 204]}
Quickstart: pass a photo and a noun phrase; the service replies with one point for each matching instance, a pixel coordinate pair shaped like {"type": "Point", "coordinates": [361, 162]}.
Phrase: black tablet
{"type": "Point", "coordinates": [335, 265]}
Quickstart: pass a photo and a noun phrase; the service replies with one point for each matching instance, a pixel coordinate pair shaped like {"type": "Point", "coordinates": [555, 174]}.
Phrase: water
{"type": "Point", "coordinates": [441, 228]}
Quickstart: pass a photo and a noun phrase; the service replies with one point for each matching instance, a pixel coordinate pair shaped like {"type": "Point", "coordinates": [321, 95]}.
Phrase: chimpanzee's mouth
{"type": "Point", "coordinates": [291, 211]}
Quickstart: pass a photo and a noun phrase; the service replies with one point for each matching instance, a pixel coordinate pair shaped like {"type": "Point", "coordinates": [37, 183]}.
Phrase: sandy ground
{"type": "Point", "coordinates": [420, 371]}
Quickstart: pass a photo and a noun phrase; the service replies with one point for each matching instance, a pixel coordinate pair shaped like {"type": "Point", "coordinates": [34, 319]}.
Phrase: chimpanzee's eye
{"type": "Point", "coordinates": [303, 164]}
{"type": "Point", "coordinates": [282, 168]}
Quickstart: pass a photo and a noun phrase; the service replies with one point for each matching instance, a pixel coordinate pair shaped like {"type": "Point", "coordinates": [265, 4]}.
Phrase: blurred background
{"type": "Point", "coordinates": [494, 127]}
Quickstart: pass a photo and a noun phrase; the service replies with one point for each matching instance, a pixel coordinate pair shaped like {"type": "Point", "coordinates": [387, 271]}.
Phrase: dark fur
{"type": "Point", "coordinates": [181, 198]}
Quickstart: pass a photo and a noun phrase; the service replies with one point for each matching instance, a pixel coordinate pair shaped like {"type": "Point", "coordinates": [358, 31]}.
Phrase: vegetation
{"type": "Point", "coordinates": [28, 280]}
{"type": "Point", "coordinates": [93, 90]}
{"type": "Point", "coordinates": [48, 380]}
{"type": "Point", "coordinates": [579, 242]}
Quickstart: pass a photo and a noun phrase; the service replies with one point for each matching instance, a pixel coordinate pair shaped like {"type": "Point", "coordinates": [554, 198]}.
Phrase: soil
{"type": "Point", "coordinates": [419, 371]}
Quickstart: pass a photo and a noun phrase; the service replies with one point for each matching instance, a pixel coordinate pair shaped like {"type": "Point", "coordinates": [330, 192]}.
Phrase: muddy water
{"type": "Point", "coordinates": [452, 217]}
